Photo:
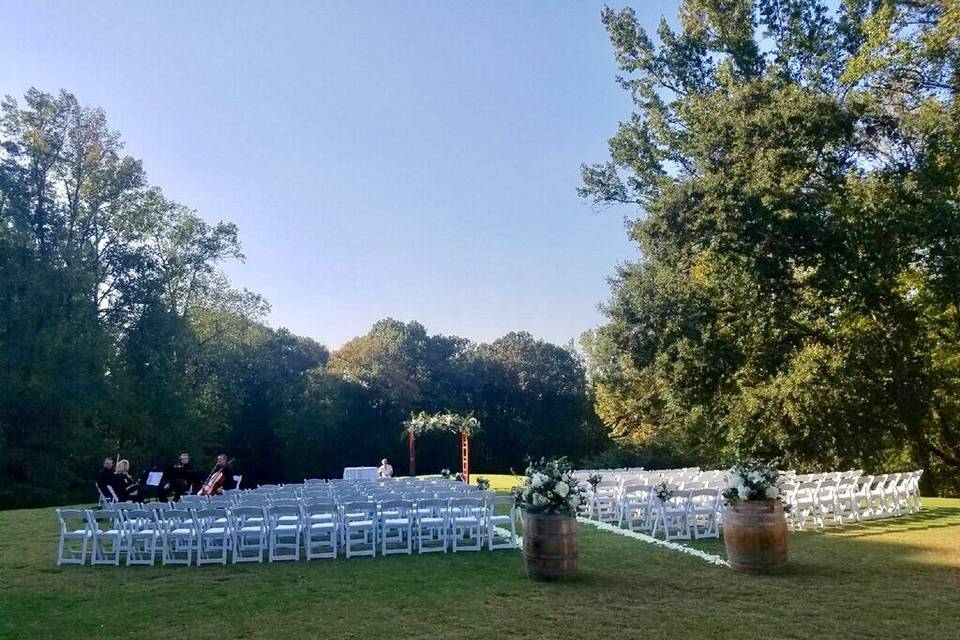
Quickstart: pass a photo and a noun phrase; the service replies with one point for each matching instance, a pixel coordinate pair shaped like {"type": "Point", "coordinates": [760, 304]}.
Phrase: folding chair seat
{"type": "Point", "coordinates": [74, 536]}
{"type": "Point", "coordinates": [178, 536]}
{"type": "Point", "coordinates": [283, 532]}
{"type": "Point", "coordinates": [637, 509]}
{"type": "Point", "coordinates": [891, 495]}
{"type": "Point", "coordinates": [187, 503]}
{"type": "Point", "coordinates": [877, 497]}
{"type": "Point", "coordinates": [248, 530]}
{"type": "Point", "coordinates": [142, 531]}
{"type": "Point", "coordinates": [213, 535]}
{"type": "Point", "coordinates": [106, 536]}
{"type": "Point", "coordinates": [431, 525]}
{"type": "Point", "coordinates": [396, 527]}
{"type": "Point", "coordinates": [359, 523]}
{"type": "Point", "coordinates": [827, 501]}
{"type": "Point", "coordinates": [673, 516]}
{"type": "Point", "coordinates": [321, 528]}
{"type": "Point", "coordinates": [704, 513]}
{"type": "Point", "coordinates": [805, 504]}
{"type": "Point", "coordinates": [605, 501]}
{"type": "Point", "coordinates": [104, 500]}
{"type": "Point", "coordinates": [845, 507]}
{"type": "Point", "coordinates": [912, 492]}
{"type": "Point", "coordinates": [862, 505]}
{"type": "Point", "coordinates": [466, 524]}
{"type": "Point", "coordinates": [501, 517]}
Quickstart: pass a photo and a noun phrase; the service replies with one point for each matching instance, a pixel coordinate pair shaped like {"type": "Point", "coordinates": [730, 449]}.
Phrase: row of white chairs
{"type": "Point", "coordinates": [318, 528]}
{"type": "Point", "coordinates": [840, 498]}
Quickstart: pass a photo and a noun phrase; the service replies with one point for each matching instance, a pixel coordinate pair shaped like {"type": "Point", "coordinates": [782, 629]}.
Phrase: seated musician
{"type": "Point", "coordinates": [225, 467]}
{"type": "Point", "coordinates": [183, 477]}
{"type": "Point", "coordinates": [220, 478]}
{"type": "Point", "coordinates": [128, 489]}
{"type": "Point", "coordinates": [107, 480]}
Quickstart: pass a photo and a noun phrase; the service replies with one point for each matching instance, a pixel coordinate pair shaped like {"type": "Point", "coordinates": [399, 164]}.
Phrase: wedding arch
{"type": "Point", "coordinates": [424, 422]}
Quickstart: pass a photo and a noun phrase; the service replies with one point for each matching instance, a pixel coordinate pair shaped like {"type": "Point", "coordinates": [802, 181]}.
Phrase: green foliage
{"type": "Point", "coordinates": [424, 422]}
{"type": "Point", "coordinates": [797, 172]}
{"type": "Point", "coordinates": [120, 334]}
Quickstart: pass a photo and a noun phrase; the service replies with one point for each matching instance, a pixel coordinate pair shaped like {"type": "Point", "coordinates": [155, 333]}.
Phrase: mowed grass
{"type": "Point", "coordinates": [889, 579]}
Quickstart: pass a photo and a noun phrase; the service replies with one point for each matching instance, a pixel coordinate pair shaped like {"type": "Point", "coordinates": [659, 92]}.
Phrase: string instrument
{"type": "Point", "coordinates": [214, 482]}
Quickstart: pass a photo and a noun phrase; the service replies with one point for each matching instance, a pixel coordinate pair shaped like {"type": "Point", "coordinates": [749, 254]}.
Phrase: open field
{"type": "Point", "coordinates": [888, 579]}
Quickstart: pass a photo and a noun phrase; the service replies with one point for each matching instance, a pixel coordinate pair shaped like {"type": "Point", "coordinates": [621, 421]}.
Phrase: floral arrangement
{"type": "Point", "coordinates": [452, 422]}
{"type": "Point", "coordinates": [550, 488]}
{"type": "Point", "coordinates": [445, 473]}
{"type": "Point", "coordinates": [459, 477]}
{"type": "Point", "coordinates": [663, 491]}
{"type": "Point", "coordinates": [483, 484]}
{"type": "Point", "coordinates": [751, 479]}
{"type": "Point", "coordinates": [593, 480]}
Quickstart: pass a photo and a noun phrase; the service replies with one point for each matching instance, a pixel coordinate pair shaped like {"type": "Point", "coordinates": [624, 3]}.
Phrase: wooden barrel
{"type": "Point", "coordinates": [755, 534]}
{"type": "Point", "coordinates": [550, 546]}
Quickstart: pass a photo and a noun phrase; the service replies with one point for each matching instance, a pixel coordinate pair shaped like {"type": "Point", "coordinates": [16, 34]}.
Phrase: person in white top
{"type": "Point", "coordinates": [385, 470]}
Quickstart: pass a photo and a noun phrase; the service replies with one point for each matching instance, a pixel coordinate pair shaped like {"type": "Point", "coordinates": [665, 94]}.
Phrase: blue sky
{"type": "Point", "coordinates": [417, 160]}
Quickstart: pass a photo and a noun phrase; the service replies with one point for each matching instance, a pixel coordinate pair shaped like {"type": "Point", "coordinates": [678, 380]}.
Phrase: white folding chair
{"type": "Point", "coordinates": [497, 521]}
{"type": "Point", "coordinates": [248, 528]}
{"type": "Point", "coordinates": [636, 508]}
{"type": "Point", "coordinates": [396, 527]}
{"type": "Point", "coordinates": [673, 516]}
{"type": "Point", "coordinates": [142, 532]}
{"type": "Point", "coordinates": [283, 532]}
{"type": "Point", "coordinates": [178, 536]}
{"type": "Point", "coordinates": [213, 536]}
{"type": "Point", "coordinates": [431, 525]}
{"type": "Point", "coordinates": [704, 510]}
{"type": "Point", "coordinates": [74, 536]}
{"type": "Point", "coordinates": [321, 528]}
{"type": "Point", "coordinates": [106, 536]}
{"type": "Point", "coordinates": [466, 524]}
{"type": "Point", "coordinates": [359, 528]}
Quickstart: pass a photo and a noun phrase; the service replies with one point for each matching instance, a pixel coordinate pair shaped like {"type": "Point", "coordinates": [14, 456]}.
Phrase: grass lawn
{"type": "Point", "coordinates": [892, 579]}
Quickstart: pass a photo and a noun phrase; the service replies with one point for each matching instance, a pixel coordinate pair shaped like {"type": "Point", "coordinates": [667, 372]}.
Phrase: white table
{"type": "Point", "coordinates": [360, 473]}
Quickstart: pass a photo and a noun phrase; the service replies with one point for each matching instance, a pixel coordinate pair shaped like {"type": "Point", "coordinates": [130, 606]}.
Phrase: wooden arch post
{"type": "Point", "coordinates": [412, 452]}
{"type": "Point", "coordinates": [465, 456]}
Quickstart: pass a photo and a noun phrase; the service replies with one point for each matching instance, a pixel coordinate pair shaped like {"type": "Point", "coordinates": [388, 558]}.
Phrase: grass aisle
{"type": "Point", "coordinates": [892, 579]}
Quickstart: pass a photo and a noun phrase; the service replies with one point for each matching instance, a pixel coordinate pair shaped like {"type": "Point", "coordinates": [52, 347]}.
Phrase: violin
{"type": "Point", "coordinates": [214, 482]}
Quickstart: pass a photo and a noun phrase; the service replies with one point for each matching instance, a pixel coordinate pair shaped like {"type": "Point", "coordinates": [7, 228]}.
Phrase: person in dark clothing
{"type": "Point", "coordinates": [107, 480]}
{"type": "Point", "coordinates": [184, 478]}
{"type": "Point", "coordinates": [226, 466]}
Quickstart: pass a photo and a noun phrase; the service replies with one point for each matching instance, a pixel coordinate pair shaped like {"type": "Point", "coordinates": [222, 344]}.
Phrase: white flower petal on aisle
{"type": "Point", "coordinates": [697, 553]}
{"type": "Point", "coordinates": [503, 533]}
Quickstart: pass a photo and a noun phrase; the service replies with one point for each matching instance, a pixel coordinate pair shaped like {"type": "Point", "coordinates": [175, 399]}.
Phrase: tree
{"type": "Point", "coordinates": [798, 290]}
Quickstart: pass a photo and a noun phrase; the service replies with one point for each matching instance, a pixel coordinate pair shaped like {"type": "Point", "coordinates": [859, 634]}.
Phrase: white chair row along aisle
{"type": "Point", "coordinates": [314, 521]}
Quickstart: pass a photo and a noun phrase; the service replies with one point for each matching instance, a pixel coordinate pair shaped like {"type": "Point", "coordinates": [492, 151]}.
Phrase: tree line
{"type": "Point", "coordinates": [121, 335]}
{"type": "Point", "coordinates": [796, 169]}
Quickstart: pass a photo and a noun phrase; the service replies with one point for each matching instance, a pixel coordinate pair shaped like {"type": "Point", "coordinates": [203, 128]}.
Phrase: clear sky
{"type": "Point", "coordinates": [417, 160]}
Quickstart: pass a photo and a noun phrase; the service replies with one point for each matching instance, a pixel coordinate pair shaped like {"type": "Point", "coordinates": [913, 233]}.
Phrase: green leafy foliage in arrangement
{"type": "Point", "coordinates": [549, 488]}
{"type": "Point", "coordinates": [751, 479]}
{"type": "Point", "coordinates": [424, 422]}
{"type": "Point", "coordinates": [793, 166]}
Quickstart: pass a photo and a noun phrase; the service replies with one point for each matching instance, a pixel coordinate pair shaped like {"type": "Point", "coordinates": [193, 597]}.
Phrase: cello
{"type": "Point", "coordinates": [214, 482]}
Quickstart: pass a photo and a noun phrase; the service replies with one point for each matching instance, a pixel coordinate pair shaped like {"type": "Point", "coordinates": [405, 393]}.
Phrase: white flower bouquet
{"type": "Point", "coordinates": [550, 488]}
{"type": "Point", "coordinates": [483, 484]}
{"type": "Point", "coordinates": [663, 492]}
{"type": "Point", "coordinates": [751, 479]}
